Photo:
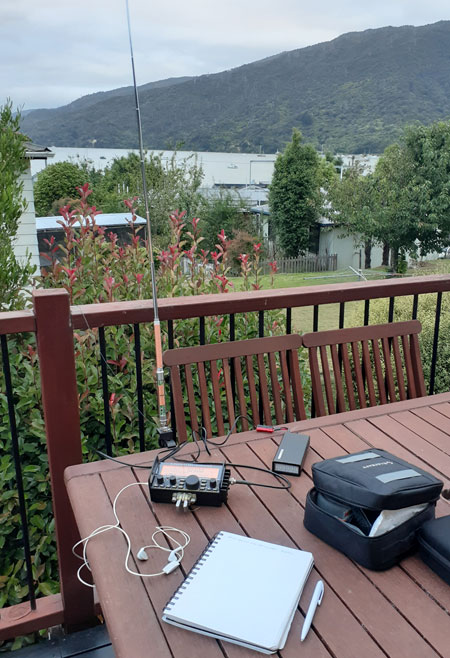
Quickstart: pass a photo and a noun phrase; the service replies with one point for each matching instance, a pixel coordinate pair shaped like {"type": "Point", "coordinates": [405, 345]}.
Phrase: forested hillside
{"type": "Point", "coordinates": [353, 94]}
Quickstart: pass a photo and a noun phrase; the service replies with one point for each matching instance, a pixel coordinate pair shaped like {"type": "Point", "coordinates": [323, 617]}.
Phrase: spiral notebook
{"type": "Point", "coordinates": [242, 590]}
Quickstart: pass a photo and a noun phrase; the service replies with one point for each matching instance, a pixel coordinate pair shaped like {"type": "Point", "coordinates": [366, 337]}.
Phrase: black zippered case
{"type": "Point", "coordinates": [434, 546]}
{"type": "Point", "coordinates": [351, 491]}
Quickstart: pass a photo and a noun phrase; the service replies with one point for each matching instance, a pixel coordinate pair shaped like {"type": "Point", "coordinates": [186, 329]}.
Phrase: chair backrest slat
{"type": "Point", "coordinates": [177, 393]}
{"type": "Point", "coordinates": [240, 392]}
{"type": "Point", "coordinates": [191, 398]}
{"type": "Point", "coordinates": [276, 393]}
{"type": "Point", "coordinates": [263, 391]}
{"type": "Point", "coordinates": [398, 368]}
{"type": "Point", "coordinates": [297, 388]}
{"type": "Point", "coordinates": [206, 417]}
{"type": "Point", "coordinates": [319, 406]}
{"type": "Point", "coordinates": [327, 379]}
{"type": "Point", "coordinates": [225, 380]}
{"type": "Point", "coordinates": [388, 368]}
{"type": "Point", "coordinates": [411, 380]}
{"type": "Point", "coordinates": [340, 400]}
{"type": "Point", "coordinates": [228, 393]}
{"type": "Point", "coordinates": [216, 397]}
{"type": "Point", "coordinates": [252, 388]}
{"type": "Point", "coordinates": [417, 365]}
{"type": "Point", "coordinates": [358, 375]}
{"type": "Point", "coordinates": [368, 372]}
{"type": "Point", "coordinates": [379, 372]}
{"type": "Point", "coordinates": [348, 376]}
{"type": "Point", "coordinates": [376, 358]}
{"type": "Point", "coordinates": [287, 386]}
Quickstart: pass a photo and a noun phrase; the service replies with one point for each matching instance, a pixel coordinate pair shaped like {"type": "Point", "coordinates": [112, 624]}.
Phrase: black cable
{"type": "Point", "coordinates": [113, 459]}
{"type": "Point", "coordinates": [278, 476]}
{"type": "Point", "coordinates": [174, 451]}
{"type": "Point", "coordinates": [181, 445]}
{"type": "Point", "coordinates": [230, 431]}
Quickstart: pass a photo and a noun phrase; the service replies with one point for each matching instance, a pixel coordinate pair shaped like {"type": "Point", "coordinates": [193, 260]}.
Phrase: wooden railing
{"type": "Point", "coordinates": [54, 321]}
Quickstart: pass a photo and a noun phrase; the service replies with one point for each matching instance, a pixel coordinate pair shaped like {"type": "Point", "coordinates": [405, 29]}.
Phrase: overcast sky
{"type": "Point", "coordinates": [54, 51]}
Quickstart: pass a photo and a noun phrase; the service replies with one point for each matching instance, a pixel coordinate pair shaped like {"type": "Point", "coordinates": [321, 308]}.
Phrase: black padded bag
{"type": "Point", "coordinates": [376, 480]}
{"type": "Point", "coordinates": [350, 491]}
{"type": "Point", "coordinates": [434, 546]}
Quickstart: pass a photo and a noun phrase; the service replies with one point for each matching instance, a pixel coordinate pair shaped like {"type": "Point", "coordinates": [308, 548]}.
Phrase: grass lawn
{"type": "Point", "coordinates": [302, 318]}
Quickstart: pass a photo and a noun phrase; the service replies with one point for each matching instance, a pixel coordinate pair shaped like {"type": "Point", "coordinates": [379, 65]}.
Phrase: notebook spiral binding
{"type": "Point", "coordinates": [189, 576]}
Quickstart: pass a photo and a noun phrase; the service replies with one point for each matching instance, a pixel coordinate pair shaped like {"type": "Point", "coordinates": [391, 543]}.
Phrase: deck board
{"type": "Point", "coordinates": [401, 612]}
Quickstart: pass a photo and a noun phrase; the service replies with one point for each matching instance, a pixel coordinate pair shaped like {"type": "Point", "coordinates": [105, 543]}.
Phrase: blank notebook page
{"type": "Point", "coordinates": [244, 589]}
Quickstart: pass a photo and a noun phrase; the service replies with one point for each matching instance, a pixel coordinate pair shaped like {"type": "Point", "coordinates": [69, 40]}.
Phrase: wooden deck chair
{"type": "Point", "coordinates": [365, 366]}
{"type": "Point", "coordinates": [213, 384]}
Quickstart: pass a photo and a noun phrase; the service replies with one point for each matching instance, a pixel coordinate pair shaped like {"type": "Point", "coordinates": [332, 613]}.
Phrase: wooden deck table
{"type": "Point", "coordinates": [400, 613]}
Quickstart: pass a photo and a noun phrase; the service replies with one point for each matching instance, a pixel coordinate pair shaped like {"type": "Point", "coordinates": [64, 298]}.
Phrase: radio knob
{"type": "Point", "coordinates": [172, 480]}
{"type": "Point", "coordinates": [192, 482]}
{"type": "Point", "coordinates": [212, 483]}
{"type": "Point", "coordinates": [160, 479]}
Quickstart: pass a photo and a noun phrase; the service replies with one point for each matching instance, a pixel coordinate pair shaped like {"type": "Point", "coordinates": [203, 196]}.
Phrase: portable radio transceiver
{"type": "Point", "coordinates": [186, 483]}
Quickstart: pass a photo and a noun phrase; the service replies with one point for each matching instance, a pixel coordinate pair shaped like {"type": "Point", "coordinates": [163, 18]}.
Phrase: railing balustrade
{"type": "Point", "coordinates": [54, 323]}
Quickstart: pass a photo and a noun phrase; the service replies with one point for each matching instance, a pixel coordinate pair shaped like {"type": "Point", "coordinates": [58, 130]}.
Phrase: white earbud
{"type": "Point", "coordinates": [141, 554]}
{"type": "Point", "coordinates": [173, 555]}
{"type": "Point", "coordinates": [171, 566]}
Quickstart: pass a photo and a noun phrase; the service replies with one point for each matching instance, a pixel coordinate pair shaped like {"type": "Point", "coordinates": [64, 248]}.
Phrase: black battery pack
{"type": "Point", "coordinates": [291, 453]}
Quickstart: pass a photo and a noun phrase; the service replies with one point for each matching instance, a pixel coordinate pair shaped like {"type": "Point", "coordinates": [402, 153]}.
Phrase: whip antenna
{"type": "Point", "coordinates": [166, 438]}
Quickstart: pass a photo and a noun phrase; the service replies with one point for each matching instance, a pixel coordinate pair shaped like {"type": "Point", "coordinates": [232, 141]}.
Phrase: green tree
{"type": "Point", "coordinates": [14, 275]}
{"type": "Point", "coordinates": [428, 149]}
{"type": "Point", "coordinates": [171, 185]}
{"type": "Point", "coordinates": [352, 206]}
{"type": "Point", "coordinates": [393, 203]}
{"type": "Point", "coordinates": [405, 203]}
{"type": "Point", "coordinates": [413, 180]}
{"type": "Point", "coordinates": [59, 182]}
{"type": "Point", "coordinates": [225, 212]}
{"type": "Point", "coordinates": [294, 195]}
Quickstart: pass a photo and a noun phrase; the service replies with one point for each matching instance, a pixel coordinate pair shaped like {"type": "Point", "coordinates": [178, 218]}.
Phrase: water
{"type": "Point", "coordinates": [230, 169]}
{"type": "Point", "coordinates": [219, 168]}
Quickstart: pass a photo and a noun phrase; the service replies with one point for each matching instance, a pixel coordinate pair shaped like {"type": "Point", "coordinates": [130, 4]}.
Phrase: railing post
{"type": "Point", "coordinates": [62, 427]}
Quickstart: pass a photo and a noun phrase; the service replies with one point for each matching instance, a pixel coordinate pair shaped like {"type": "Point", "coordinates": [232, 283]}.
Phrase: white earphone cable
{"type": "Point", "coordinates": [178, 551]}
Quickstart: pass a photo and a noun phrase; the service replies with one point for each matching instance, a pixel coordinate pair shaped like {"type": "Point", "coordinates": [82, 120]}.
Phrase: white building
{"type": "Point", "coordinates": [26, 239]}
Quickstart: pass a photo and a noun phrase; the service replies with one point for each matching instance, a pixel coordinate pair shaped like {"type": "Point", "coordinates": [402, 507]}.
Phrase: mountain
{"type": "Point", "coordinates": [353, 94]}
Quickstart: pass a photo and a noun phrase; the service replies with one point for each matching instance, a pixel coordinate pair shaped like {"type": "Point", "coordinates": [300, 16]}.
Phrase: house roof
{"type": "Point", "coordinates": [107, 219]}
{"type": "Point", "coordinates": [263, 209]}
{"type": "Point", "coordinates": [37, 152]}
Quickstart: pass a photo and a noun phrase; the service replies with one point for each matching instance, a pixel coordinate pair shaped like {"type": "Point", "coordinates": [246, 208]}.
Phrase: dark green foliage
{"type": "Point", "coordinates": [294, 195]}
{"type": "Point", "coordinates": [353, 203]}
{"type": "Point", "coordinates": [171, 185]}
{"type": "Point", "coordinates": [223, 212]}
{"type": "Point", "coordinates": [58, 181]}
{"type": "Point", "coordinates": [352, 95]}
{"type": "Point", "coordinates": [405, 203]}
{"type": "Point", "coordinates": [14, 275]}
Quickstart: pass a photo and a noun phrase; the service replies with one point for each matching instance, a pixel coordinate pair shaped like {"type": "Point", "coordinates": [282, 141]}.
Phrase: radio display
{"type": "Point", "coordinates": [183, 470]}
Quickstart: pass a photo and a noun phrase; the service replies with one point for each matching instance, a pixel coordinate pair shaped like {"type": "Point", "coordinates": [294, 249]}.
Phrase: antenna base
{"type": "Point", "coordinates": [166, 438]}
